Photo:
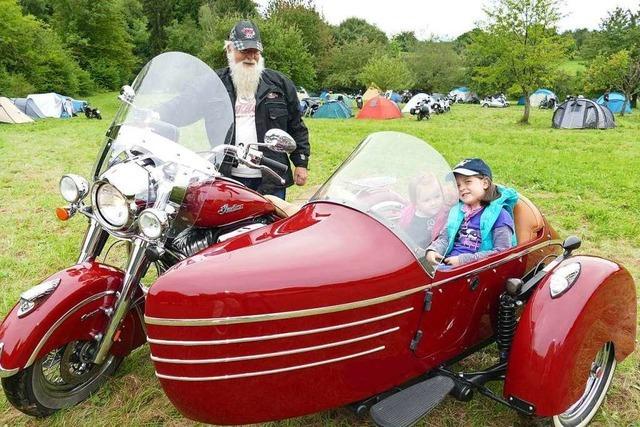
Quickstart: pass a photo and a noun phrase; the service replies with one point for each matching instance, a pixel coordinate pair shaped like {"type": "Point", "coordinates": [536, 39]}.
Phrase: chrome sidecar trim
{"type": "Point", "coordinates": [4, 373]}
{"type": "Point", "coordinates": [276, 336]}
{"type": "Point", "coordinates": [61, 320]}
{"type": "Point", "coordinates": [275, 354]}
{"type": "Point", "coordinates": [216, 321]}
{"type": "Point", "coordinates": [272, 371]}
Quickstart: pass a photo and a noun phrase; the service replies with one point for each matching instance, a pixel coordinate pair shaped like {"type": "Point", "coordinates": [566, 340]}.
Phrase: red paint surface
{"type": "Point", "coordinates": [22, 335]}
{"type": "Point", "coordinates": [208, 203]}
{"type": "Point", "coordinates": [557, 339]}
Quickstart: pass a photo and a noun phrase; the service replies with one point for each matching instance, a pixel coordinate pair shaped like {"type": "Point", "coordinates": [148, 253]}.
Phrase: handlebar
{"type": "Point", "coordinates": [275, 165]}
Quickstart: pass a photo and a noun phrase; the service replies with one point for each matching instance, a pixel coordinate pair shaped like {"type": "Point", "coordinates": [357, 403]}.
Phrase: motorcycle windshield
{"type": "Point", "coordinates": [160, 143]}
{"type": "Point", "coordinates": [179, 110]}
{"type": "Point", "coordinates": [400, 181]}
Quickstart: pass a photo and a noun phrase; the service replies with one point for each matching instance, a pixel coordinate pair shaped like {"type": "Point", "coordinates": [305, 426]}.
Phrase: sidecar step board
{"type": "Point", "coordinates": [406, 407]}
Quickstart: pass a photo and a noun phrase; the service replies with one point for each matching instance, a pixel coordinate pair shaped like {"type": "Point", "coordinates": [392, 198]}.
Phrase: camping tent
{"type": "Point", "coordinates": [615, 102]}
{"type": "Point", "coordinates": [538, 96]}
{"type": "Point", "coordinates": [414, 101]}
{"type": "Point", "coordinates": [9, 113]}
{"type": "Point", "coordinates": [463, 94]}
{"type": "Point", "coordinates": [49, 105]}
{"type": "Point", "coordinates": [78, 106]}
{"type": "Point", "coordinates": [379, 108]}
{"type": "Point", "coordinates": [346, 99]}
{"type": "Point", "coordinates": [370, 93]}
{"type": "Point", "coordinates": [394, 96]}
{"type": "Point", "coordinates": [332, 110]}
{"type": "Point", "coordinates": [582, 113]}
{"type": "Point", "coordinates": [29, 107]}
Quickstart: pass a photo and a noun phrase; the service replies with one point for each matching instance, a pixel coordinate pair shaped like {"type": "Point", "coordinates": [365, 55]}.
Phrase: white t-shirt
{"type": "Point", "coordinates": [245, 134]}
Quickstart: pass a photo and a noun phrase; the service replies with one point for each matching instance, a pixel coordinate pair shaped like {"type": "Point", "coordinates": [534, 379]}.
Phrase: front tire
{"type": "Point", "coordinates": [62, 378]}
{"type": "Point", "coordinates": [581, 412]}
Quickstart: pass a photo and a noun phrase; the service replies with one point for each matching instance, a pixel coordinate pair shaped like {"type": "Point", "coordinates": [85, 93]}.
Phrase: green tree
{"type": "Point", "coordinates": [32, 57]}
{"type": "Point", "coordinates": [353, 29]}
{"type": "Point", "coordinates": [405, 41]}
{"type": "Point", "coordinates": [98, 39]}
{"type": "Point", "coordinates": [344, 63]}
{"type": "Point", "coordinates": [184, 36]}
{"type": "Point", "coordinates": [436, 67]}
{"type": "Point", "coordinates": [41, 9]}
{"type": "Point", "coordinates": [317, 35]}
{"type": "Point", "coordinates": [386, 73]}
{"type": "Point", "coordinates": [160, 14]}
{"type": "Point", "coordinates": [242, 8]}
{"type": "Point", "coordinates": [619, 71]}
{"type": "Point", "coordinates": [136, 26]}
{"type": "Point", "coordinates": [519, 47]}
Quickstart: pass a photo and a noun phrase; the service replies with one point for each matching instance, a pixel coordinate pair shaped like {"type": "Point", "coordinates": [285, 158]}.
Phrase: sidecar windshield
{"type": "Point", "coordinates": [178, 111]}
{"type": "Point", "coordinates": [400, 181]}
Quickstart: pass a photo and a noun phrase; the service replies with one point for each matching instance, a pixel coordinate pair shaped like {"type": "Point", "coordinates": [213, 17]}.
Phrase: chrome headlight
{"type": "Point", "coordinates": [73, 187]}
{"type": "Point", "coordinates": [112, 205]}
{"type": "Point", "coordinates": [153, 222]}
{"type": "Point", "coordinates": [563, 278]}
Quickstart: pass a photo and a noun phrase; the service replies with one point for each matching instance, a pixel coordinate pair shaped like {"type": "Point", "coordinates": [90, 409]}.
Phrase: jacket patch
{"type": "Point", "coordinates": [273, 95]}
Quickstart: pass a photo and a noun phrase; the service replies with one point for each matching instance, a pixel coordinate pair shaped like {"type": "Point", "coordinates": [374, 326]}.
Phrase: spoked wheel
{"type": "Point", "coordinates": [62, 378]}
{"type": "Point", "coordinates": [600, 375]}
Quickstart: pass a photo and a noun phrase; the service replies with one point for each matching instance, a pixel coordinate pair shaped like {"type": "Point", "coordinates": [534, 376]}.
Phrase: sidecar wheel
{"type": "Point", "coordinates": [600, 376]}
{"type": "Point", "coordinates": [62, 378]}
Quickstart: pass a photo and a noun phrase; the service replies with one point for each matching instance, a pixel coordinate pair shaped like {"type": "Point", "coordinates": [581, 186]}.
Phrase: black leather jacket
{"type": "Point", "coordinates": [277, 106]}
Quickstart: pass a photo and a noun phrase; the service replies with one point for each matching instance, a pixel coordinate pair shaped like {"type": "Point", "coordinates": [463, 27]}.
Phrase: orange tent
{"type": "Point", "coordinates": [379, 108]}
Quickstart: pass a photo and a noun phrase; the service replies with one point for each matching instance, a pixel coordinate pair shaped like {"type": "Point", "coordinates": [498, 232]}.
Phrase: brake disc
{"type": "Point", "coordinates": [76, 364]}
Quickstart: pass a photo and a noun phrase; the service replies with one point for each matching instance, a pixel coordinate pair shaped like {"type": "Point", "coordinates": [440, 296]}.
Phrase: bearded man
{"type": "Point", "coordinates": [263, 99]}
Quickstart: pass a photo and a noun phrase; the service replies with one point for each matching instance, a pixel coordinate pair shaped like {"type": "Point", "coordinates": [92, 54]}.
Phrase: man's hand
{"type": "Point", "coordinates": [434, 258]}
{"type": "Point", "coordinates": [300, 175]}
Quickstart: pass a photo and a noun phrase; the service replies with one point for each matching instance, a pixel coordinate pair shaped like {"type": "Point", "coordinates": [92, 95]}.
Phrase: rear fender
{"type": "Point", "coordinates": [557, 338]}
{"type": "Point", "coordinates": [74, 311]}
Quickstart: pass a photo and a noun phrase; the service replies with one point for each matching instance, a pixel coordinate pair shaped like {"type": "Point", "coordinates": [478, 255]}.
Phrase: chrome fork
{"type": "Point", "coordinates": [138, 264]}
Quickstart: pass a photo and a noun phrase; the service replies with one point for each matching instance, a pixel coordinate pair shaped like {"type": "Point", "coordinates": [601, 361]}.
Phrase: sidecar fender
{"type": "Point", "coordinates": [557, 338]}
{"type": "Point", "coordinates": [74, 311]}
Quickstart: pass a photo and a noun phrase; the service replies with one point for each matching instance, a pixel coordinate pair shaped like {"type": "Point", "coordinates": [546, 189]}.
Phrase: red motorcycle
{"type": "Point", "coordinates": [263, 311]}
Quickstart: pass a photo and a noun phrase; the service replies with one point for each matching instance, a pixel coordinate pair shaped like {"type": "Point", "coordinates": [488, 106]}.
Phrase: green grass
{"type": "Point", "coordinates": [585, 182]}
{"type": "Point", "coordinates": [573, 67]}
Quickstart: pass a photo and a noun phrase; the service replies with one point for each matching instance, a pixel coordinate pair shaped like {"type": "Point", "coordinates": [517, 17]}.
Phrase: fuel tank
{"type": "Point", "coordinates": [312, 312]}
{"type": "Point", "coordinates": [223, 201]}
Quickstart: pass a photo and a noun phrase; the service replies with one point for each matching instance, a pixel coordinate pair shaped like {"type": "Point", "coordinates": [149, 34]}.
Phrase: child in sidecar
{"type": "Point", "coordinates": [481, 224]}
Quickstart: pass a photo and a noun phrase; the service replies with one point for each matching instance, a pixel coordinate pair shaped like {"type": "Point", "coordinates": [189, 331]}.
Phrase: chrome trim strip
{"type": "Point", "coordinates": [267, 355]}
{"type": "Point", "coordinates": [334, 308]}
{"type": "Point", "coordinates": [272, 371]}
{"type": "Point", "coordinates": [58, 322]}
{"type": "Point", "coordinates": [276, 336]}
{"type": "Point", "coordinates": [4, 373]}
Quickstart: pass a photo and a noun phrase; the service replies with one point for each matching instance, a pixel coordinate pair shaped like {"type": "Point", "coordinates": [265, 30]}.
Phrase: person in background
{"type": "Point", "coordinates": [263, 99]}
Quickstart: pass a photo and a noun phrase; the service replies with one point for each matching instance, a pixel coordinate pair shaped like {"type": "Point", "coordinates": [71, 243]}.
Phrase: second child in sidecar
{"type": "Point", "coordinates": [336, 304]}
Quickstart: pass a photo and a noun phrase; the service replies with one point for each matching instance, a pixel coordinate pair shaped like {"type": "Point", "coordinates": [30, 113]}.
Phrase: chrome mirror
{"type": "Point", "coordinates": [280, 141]}
{"type": "Point", "coordinates": [127, 94]}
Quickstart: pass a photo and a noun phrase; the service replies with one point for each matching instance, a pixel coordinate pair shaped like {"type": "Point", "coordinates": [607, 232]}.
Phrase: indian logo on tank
{"type": "Point", "coordinates": [226, 208]}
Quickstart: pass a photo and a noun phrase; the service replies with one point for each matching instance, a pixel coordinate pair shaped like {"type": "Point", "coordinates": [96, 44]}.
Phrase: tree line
{"type": "Point", "coordinates": [79, 46]}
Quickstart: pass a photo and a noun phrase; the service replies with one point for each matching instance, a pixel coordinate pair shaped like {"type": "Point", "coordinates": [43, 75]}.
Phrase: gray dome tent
{"type": "Point", "coordinates": [582, 113]}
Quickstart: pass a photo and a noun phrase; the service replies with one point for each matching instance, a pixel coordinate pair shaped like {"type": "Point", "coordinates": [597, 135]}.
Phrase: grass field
{"type": "Point", "coordinates": [585, 182]}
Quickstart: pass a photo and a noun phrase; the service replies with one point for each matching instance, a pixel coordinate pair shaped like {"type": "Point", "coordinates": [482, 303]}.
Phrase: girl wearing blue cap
{"type": "Point", "coordinates": [481, 224]}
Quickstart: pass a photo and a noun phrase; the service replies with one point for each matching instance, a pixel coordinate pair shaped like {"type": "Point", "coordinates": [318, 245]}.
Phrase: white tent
{"type": "Point", "coordinates": [52, 104]}
{"type": "Point", "coordinates": [414, 101]}
{"type": "Point", "coordinates": [9, 113]}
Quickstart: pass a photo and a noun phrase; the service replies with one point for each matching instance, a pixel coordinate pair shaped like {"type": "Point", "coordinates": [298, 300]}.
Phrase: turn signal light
{"type": "Point", "coordinates": [63, 214]}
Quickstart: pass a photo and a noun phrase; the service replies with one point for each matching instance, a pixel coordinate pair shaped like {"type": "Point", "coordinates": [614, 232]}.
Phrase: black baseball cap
{"type": "Point", "coordinates": [474, 166]}
{"type": "Point", "coordinates": [245, 35]}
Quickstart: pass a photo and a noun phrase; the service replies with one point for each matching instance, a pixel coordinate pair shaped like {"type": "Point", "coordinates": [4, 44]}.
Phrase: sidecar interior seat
{"type": "Point", "coordinates": [528, 220]}
{"type": "Point", "coordinates": [284, 209]}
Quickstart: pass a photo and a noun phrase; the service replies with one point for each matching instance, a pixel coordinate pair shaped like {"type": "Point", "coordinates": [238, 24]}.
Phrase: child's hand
{"type": "Point", "coordinates": [434, 257]}
{"type": "Point", "coordinates": [452, 261]}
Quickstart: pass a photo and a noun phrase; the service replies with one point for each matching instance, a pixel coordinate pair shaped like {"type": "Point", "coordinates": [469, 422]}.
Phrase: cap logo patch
{"type": "Point", "coordinates": [249, 32]}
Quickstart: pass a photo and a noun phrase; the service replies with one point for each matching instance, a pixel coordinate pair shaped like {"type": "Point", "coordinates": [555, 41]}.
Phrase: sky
{"type": "Point", "coordinates": [447, 19]}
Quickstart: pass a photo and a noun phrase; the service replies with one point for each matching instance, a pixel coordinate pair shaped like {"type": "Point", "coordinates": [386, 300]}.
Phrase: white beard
{"type": "Point", "coordinates": [245, 79]}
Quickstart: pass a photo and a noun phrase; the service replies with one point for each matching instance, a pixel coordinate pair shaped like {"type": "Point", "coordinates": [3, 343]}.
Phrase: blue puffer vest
{"type": "Point", "coordinates": [489, 216]}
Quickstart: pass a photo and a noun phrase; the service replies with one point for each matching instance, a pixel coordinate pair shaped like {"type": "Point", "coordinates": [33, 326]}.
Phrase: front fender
{"type": "Point", "coordinates": [557, 338]}
{"type": "Point", "coordinates": [74, 311]}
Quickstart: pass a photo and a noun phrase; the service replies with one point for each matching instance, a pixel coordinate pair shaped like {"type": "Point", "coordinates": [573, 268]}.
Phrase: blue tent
{"type": "Point", "coordinates": [325, 95]}
{"type": "Point", "coordinates": [332, 110]}
{"type": "Point", "coordinates": [395, 97]}
{"type": "Point", "coordinates": [616, 100]}
{"type": "Point", "coordinates": [538, 96]}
